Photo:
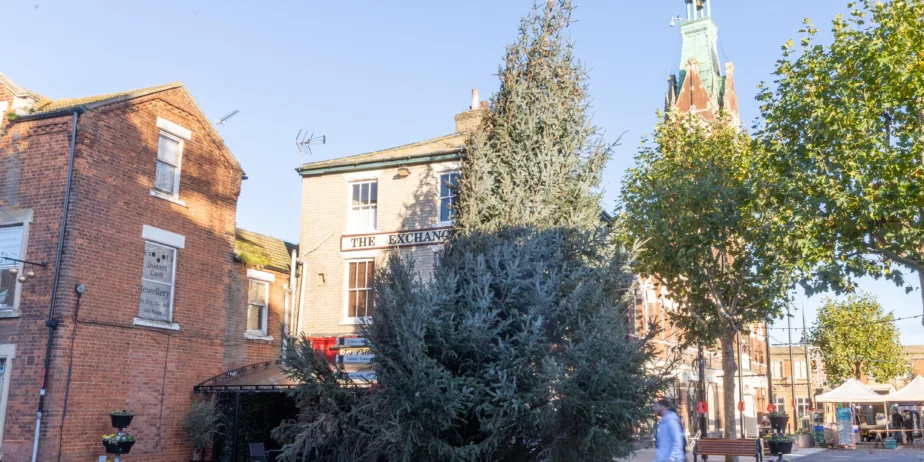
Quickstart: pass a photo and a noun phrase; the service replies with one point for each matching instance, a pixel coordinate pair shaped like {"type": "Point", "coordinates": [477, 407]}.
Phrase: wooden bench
{"type": "Point", "coordinates": [720, 447]}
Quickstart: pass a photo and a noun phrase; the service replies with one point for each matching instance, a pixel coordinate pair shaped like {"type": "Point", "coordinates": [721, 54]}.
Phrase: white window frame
{"type": "Point", "coordinates": [176, 132]}
{"type": "Point", "coordinates": [439, 197]}
{"type": "Point", "coordinates": [264, 313]}
{"type": "Point", "coordinates": [780, 403]}
{"type": "Point", "coordinates": [179, 164]}
{"type": "Point", "coordinates": [352, 225]}
{"type": "Point", "coordinates": [8, 353]}
{"type": "Point", "coordinates": [802, 407]}
{"type": "Point", "coordinates": [13, 218]}
{"type": "Point", "coordinates": [353, 320]}
{"type": "Point", "coordinates": [8, 264]}
{"type": "Point", "coordinates": [167, 239]}
{"type": "Point", "coordinates": [776, 368]}
{"type": "Point", "coordinates": [800, 371]}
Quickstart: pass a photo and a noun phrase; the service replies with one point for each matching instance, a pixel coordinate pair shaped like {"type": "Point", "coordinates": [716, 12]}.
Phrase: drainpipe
{"type": "Point", "coordinates": [51, 322]}
{"type": "Point", "coordinates": [288, 303]}
{"type": "Point", "coordinates": [301, 300]}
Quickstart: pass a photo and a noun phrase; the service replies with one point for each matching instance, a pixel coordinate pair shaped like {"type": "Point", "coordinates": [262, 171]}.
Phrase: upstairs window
{"type": "Point", "coordinates": [363, 205]}
{"type": "Point", "coordinates": [359, 288]}
{"type": "Point", "coordinates": [257, 296]}
{"type": "Point", "coordinates": [448, 183]}
{"type": "Point", "coordinates": [169, 155]}
{"type": "Point", "coordinates": [10, 247]}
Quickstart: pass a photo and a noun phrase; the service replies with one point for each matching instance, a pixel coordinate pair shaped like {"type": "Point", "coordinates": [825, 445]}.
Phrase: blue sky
{"type": "Point", "coordinates": [373, 74]}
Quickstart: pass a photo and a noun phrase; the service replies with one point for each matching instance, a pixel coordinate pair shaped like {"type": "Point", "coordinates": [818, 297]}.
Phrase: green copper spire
{"type": "Point", "coordinates": [700, 41]}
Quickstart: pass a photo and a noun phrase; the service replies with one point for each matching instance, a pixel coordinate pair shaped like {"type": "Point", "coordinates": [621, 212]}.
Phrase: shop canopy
{"type": "Point", "coordinates": [852, 391]}
{"type": "Point", "coordinates": [912, 393]}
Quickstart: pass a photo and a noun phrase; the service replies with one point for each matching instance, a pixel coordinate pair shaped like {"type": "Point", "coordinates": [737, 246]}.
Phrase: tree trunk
{"type": "Point", "coordinates": [921, 278]}
{"type": "Point", "coordinates": [729, 371]}
{"type": "Point", "coordinates": [856, 370]}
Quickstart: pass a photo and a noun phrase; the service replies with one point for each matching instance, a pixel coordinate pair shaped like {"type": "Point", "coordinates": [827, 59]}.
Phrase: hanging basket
{"type": "Point", "coordinates": [121, 421]}
{"type": "Point", "coordinates": [779, 422]}
{"type": "Point", "coordinates": [779, 448]}
{"type": "Point", "coordinates": [123, 447]}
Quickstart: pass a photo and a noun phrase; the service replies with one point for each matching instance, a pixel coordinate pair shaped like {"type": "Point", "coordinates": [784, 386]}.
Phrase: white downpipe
{"type": "Point", "coordinates": [301, 300]}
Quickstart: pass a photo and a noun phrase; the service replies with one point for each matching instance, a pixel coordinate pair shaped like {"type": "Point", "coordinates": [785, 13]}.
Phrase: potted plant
{"type": "Point", "coordinates": [118, 443]}
{"type": "Point", "coordinates": [200, 424]}
{"type": "Point", "coordinates": [778, 420]}
{"type": "Point", "coordinates": [805, 437]}
{"type": "Point", "coordinates": [121, 419]}
{"type": "Point", "coordinates": [780, 444]}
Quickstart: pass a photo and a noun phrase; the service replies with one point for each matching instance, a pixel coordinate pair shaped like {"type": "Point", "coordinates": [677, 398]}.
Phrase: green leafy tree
{"type": "Point", "coordinates": [845, 124]}
{"type": "Point", "coordinates": [857, 338]}
{"type": "Point", "coordinates": [516, 349]}
{"type": "Point", "coordinates": [697, 199]}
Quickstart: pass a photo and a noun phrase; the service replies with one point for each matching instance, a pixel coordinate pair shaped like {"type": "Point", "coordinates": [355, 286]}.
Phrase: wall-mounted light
{"type": "Point", "coordinates": [404, 172]}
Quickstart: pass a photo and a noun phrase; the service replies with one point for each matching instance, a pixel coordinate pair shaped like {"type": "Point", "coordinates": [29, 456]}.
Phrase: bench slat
{"type": "Point", "coordinates": [723, 447]}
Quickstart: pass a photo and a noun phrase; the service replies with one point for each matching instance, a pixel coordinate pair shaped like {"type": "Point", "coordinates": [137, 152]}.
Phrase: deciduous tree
{"type": "Point", "coordinates": [698, 201]}
{"type": "Point", "coordinates": [845, 125]}
{"type": "Point", "coordinates": [858, 338]}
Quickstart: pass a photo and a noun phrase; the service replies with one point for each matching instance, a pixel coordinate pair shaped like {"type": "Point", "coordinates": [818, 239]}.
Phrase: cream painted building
{"type": "Point", "coordinates": [357, 210]}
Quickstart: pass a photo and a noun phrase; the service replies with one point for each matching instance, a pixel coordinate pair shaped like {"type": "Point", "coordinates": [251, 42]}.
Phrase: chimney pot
{"type": "Point", "coordinates": [474, 99]}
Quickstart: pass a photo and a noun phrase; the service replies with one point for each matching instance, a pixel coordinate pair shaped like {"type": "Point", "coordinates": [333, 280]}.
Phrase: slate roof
{"type": "Point", "coordinates": [452, 143]}
{"type": "Point", "coordinates": [48, 105]}
{"type": "Point", "coordinates": [16, 89]}
{"type": "Point", "coordinates": [270, 252]}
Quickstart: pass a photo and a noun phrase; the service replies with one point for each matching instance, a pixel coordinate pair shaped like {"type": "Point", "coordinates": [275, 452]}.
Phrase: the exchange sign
{"type": "Point", "coordinates": [351, 242]}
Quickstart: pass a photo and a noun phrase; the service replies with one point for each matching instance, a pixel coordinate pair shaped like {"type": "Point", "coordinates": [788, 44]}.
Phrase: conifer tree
{"type": "Point", "coordinates": [517, 348]}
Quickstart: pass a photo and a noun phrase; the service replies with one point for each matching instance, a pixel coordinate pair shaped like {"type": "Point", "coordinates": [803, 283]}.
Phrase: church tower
{"type": "Point", "coordinates": [701, 87]}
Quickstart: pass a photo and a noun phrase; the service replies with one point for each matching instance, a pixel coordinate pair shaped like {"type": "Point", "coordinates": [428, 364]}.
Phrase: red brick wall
{"type": "Point", "coordinates": [117, 365]}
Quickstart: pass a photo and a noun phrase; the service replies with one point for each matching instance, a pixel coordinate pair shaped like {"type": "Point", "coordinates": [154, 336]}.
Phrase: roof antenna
{"type": "Point", "coordinates": [224, 120]}
{"type": "Point", "coordinates": [304, 141]}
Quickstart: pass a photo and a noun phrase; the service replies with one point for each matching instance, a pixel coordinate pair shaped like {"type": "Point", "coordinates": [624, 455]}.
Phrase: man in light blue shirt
{"type": "Point", "coordinates": [670, 433]}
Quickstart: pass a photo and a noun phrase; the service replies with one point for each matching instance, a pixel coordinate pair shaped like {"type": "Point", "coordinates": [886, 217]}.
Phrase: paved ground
{"type": "Point", "coordinates": [820, 455]}
{"type": "Point", "coordinates": [867, 454]}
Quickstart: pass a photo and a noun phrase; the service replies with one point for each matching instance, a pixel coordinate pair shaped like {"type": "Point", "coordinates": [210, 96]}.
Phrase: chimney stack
{"type": "Point", "coordinates": [471, 119]}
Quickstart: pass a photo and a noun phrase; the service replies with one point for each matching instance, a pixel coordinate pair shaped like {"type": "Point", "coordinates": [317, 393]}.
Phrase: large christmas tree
{"type": "Point", "coordinates": [517, 348]}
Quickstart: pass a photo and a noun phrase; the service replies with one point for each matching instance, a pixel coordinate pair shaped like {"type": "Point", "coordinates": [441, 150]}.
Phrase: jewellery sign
{"type": "Point", "coordinates": [351, 242]}
{"type": "Point", "coordinates": [157, 282]}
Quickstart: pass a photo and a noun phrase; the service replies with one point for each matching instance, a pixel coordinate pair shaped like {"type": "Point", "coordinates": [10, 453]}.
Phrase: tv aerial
{"type": "Point", "coordinates": [224, 120]}
{"type": "Point", "coordinates": [304, 140]}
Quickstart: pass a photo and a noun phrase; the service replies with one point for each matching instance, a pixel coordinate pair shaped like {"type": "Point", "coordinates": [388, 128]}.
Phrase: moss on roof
{"type": "Point", "coordinates": [46, 105]}
{"type": "Point", "coordinates": [257, 249]}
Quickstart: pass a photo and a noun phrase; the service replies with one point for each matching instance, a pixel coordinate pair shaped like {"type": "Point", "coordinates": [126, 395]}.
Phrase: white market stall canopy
{"type": "Point", "coordinates": [912, 393]}
{"type": "Point", "coordinates": [852, 391]}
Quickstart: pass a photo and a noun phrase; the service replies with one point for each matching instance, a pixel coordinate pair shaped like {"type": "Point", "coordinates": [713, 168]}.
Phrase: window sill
{"type": "Point", "coordinates": [167, 197]}
{"type": "Point", "coordinates": [10, 313]}
{"type": "Point", "coordinates": [356, 321]}
{"type": "Point", "coordinates": [444, 224]}
{"type": "Point", "coordinates": [156, 324]}
{"type": "Point", "coordinates": [258, 336]}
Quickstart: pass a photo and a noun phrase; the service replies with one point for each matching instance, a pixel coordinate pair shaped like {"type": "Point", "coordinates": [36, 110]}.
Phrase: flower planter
{"type": "Point", "coordinates": [803, 440]}
{"type": "Point", "coordinates": [123, 447]}
{"type": "Point", "coordinates": [779, 448]}
{"type": "Point", "coordinates": [121, 421]}
{"type": "Point", "coordinates": [779, 422]}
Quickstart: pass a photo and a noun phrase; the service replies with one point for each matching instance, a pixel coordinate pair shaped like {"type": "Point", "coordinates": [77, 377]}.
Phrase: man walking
{"type": "Point", "coordinates": [670, 433]}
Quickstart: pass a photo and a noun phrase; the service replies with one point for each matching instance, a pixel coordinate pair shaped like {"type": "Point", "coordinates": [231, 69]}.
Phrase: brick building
{"type": "Point", "coordinates": [151, 194]}
{"type": "Point", "coordinates": [700, 87]}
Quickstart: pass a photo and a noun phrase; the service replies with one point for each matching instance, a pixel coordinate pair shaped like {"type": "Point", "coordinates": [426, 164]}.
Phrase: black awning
{"type": "Point", "coordinates": [265, 377]}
